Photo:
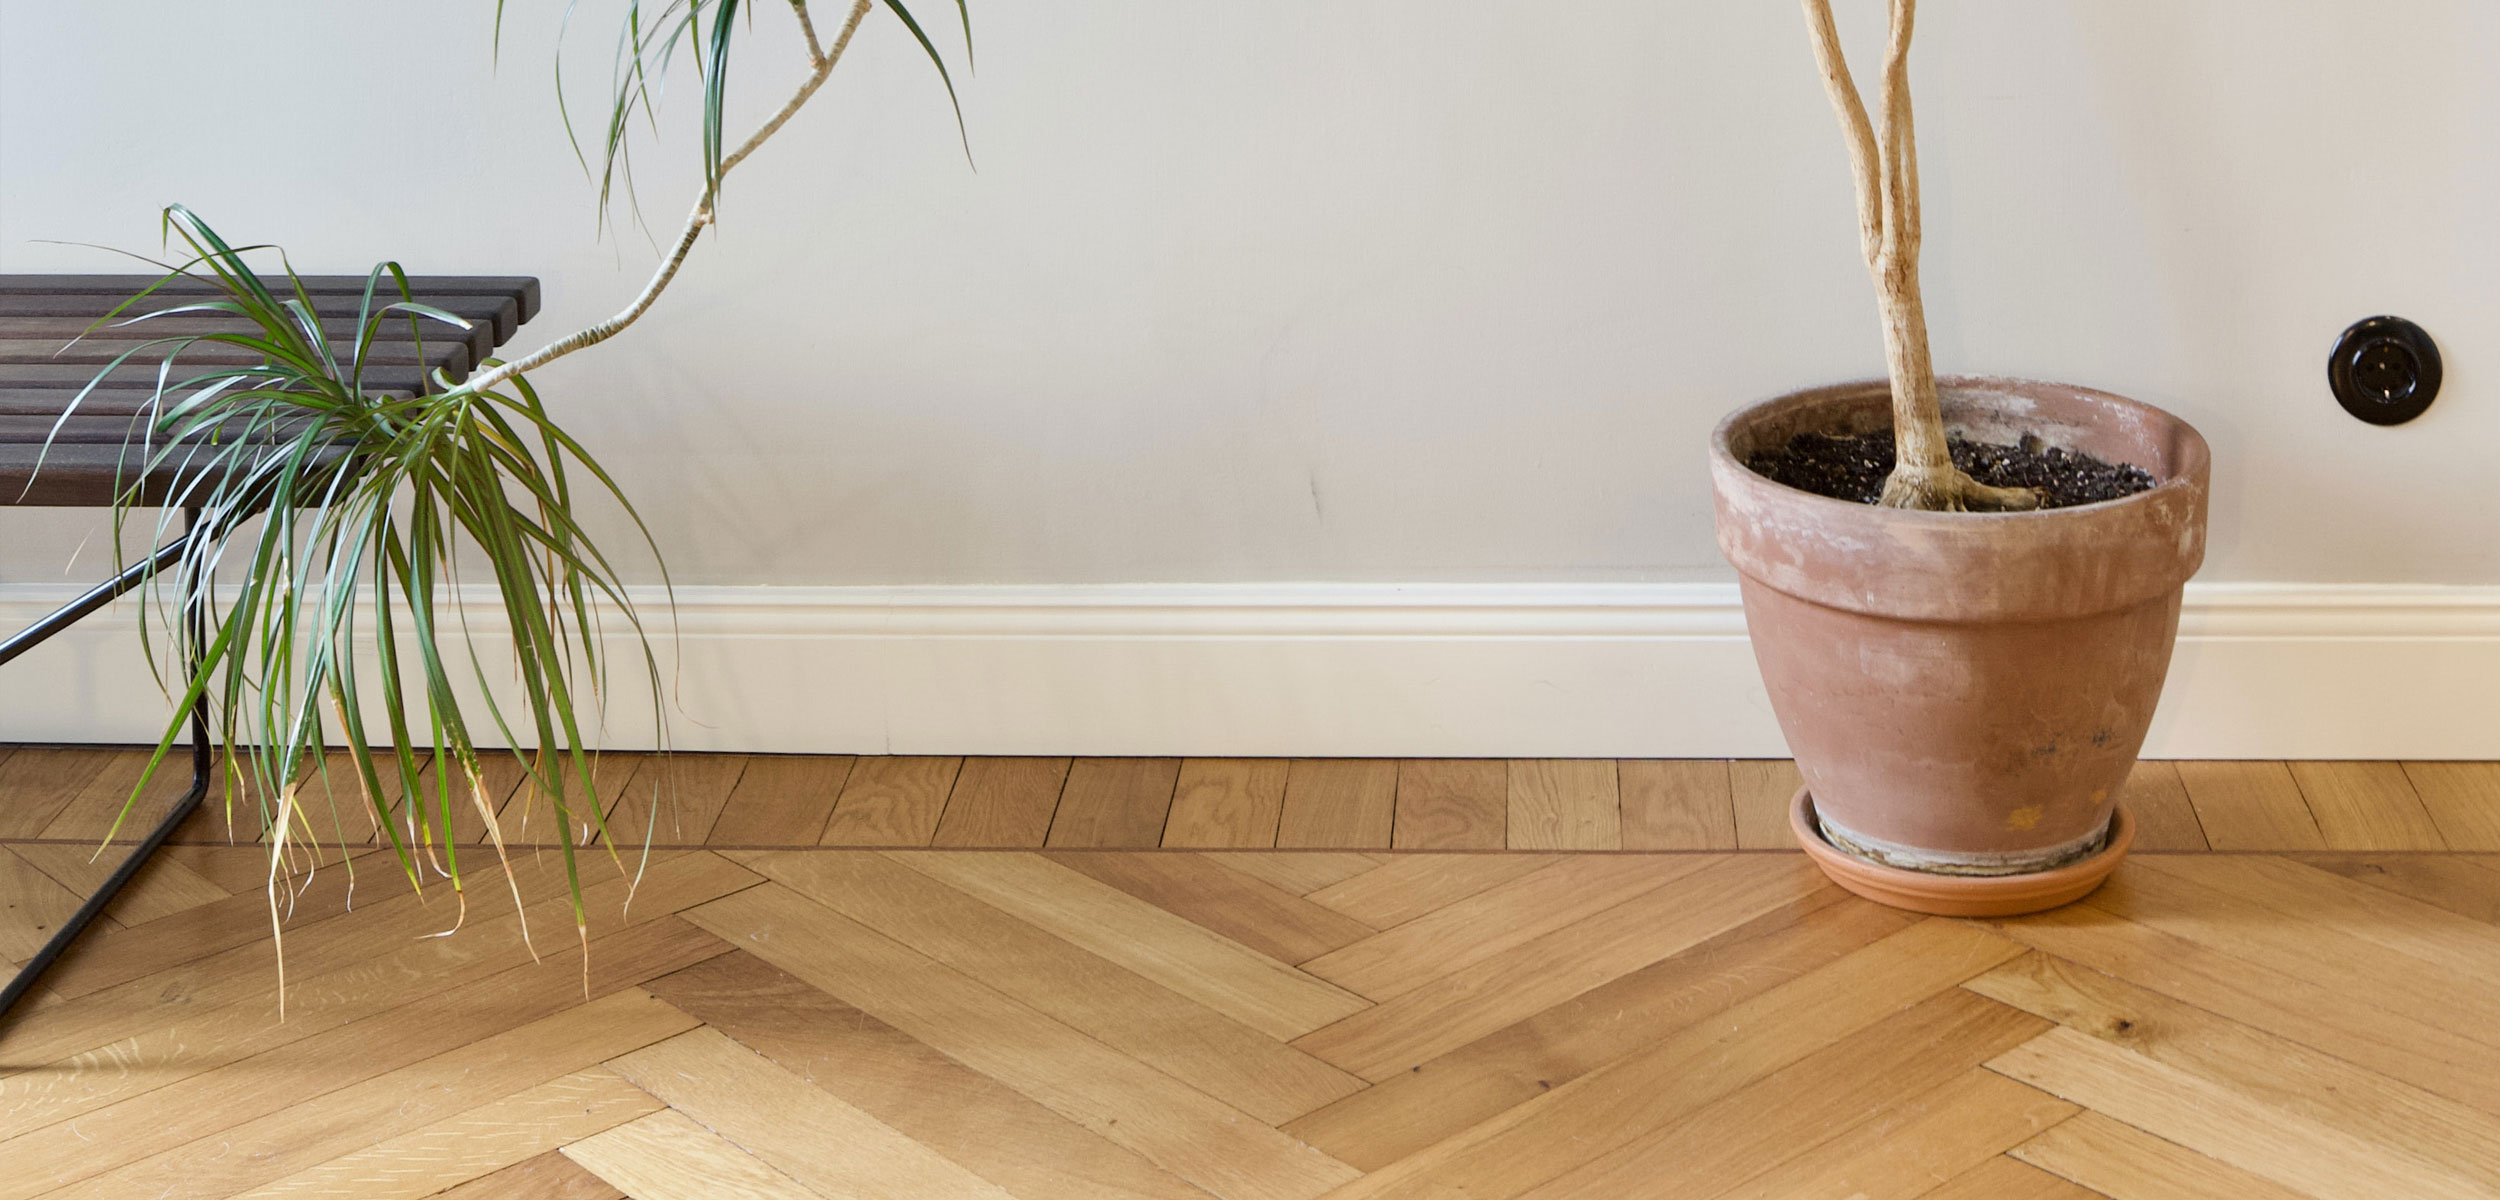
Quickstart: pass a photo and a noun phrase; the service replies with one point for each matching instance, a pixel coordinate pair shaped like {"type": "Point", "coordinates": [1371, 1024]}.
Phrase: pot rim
{"type": "Point", "coordinates": [2185, 476]}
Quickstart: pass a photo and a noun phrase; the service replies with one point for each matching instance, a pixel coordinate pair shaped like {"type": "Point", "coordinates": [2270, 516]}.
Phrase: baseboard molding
{"type": "Point", "coordinates": [1604, 670]}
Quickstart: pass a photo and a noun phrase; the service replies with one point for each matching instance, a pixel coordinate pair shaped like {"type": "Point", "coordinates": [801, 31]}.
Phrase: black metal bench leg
{"type": "Point", "coordinates": [194, 637]}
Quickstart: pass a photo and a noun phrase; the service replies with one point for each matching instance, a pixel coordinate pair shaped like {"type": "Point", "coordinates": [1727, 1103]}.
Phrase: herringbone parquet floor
{"type": "Point", "coordinates": [788, 1009]}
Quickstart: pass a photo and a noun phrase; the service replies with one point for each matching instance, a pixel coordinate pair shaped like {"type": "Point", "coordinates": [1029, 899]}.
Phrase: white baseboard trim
{"type": "Point", "coordinates": [1602, 670]}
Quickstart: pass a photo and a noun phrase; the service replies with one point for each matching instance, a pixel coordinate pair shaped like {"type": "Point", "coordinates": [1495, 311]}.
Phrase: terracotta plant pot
{"type": "Point", "coordinates": [1965, 692]}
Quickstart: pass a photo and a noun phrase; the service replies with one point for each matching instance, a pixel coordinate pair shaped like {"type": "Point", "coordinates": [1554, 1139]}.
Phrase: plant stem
{"type": "Point", "coordinates": [696, 221]}
{"type": "Point", "coordinates": [1884, 167]}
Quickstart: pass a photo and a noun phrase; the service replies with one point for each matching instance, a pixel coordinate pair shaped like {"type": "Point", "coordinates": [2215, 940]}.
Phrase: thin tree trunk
{"type": "Point", "coordinates": [1886, 176]}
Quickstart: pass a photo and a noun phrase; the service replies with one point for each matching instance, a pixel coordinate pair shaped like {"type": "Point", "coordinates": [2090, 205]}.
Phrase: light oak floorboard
{"type": "Point", "coordinates": [1452, 804]}
{"type": "Point", "coordinates": [1458, 935]}
{"type": "Point", "coordinates": [802, 1131]}
{"type": "Point", "coordinates": [2250, 806]}
{"type": "Point", "coordinates": [1002, 802]}
{"type": "Point", "coordinates": [1678, 804]}
{"type": "Point", "coordinates": [2366, 806]}
{"type": "Point", "coordinates": [474, 1143]}
{"type": "Point", "coordinates": [1152, 1024]}
{"type": "Point", "coordinates": [1115, 803]}
{"type": "Point", "coordinates": [2164, 820]}
{"type": "Point", "coordinates": [1760, 789]}
{"type": "Point", "coordinates": [1446, 1013]}
{"type": "Point", "coordinates": [959, 1112]}
{"type": "Point", "coordinates": [1179, 1128]}
{"type": "Point", "coordinates": [2463, 799]}
{"type": "Point", "coordinates": [892, 800]}
{"type": "Point", "coordinates": [2122, 1162]}
{"type": "Point", "coordinates": [1188, 958]}
{"type": "Point", "coordinates": [1564, 804]}
{"type": "Point", "coordinates": [1249, 910]}
{"type": "Point", "coordinates": [1227, 803]}
{"type": "Point", "coordinates": [1409, 886]}
{"type": "Point", "coordinates": [1339, 804]}
{"type": "Point", "coordinates": [782, 800]}
{"type": "Point", "coordinates": [669, 1156]}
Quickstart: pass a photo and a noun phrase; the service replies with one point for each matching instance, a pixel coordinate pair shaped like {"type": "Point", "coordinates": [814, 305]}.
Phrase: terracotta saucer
{"type": "Point", "coordinates": [1961, 895]}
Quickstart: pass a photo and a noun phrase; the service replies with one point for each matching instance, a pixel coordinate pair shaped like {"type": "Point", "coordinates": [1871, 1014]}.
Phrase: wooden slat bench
{"type": "Point", "coordinates": [94, 456]}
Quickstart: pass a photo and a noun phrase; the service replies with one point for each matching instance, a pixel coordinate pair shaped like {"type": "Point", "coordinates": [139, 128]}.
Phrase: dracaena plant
{"type": "Point", "coordinates": [331, 510]}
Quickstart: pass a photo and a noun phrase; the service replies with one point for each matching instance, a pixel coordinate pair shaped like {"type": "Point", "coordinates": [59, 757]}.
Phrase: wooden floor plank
{"type": "Point", "coordinates": [499, 776]}
{"type": "Point", "coordinates": [1458, 935]}
{"type": "Point", "coordinates": [2007, 1178]}
{"type": "Point", "coordinates": [2164, 820]}
{"type": "Point", "coordinates": [1216, 971]}
{"type": "Point", "coordinates": [961, 1113]}
{"type": "Point", "coordinates": [2366, 806]}
{"type": "Point", "coordinates": [2356, 935]}
{"type": "Point", "coordinates": [676, 799]}
{"type": "Point", "coordinates": [32, 906]}
{"type": "Point", "coordinates": [1409, 886]}
{"type": "Point", "coordinates": [2117, 1160]}
{"type": "Point", "coordinates": [2224, 1124]}
{"type": "Point", "coordinates": [668, 1156]}
{"type": "Point", "coordinates": [1002, 802]}
{"type": "Point", "coordinates": [1300, 872]}
{"type": "Point", "coordinates": [152, 1095]}
{"type": "Point", "coordinates": [1664, 1084]}
{"type": "Point", "coordinates": [781, 800]}
{"type": "Point", "coordinates": [1949, 1130]}
{"type": "Point", "coordinates": [804, 1132]}
{"type": "Point", "coordinates": [2465, 884]}
{"type": "Point", "coordinates": [220, 1007]}
{"type": "Point", "coordinates": [2250, 806]}
{"type": "Point", "coordinates": [1477, 1081]}
{"type": "Point", "coordinates": [161, 888]}
{"type": "Point", "coordinates": [472, 1143]}
{"type": "Point", "coordinates": [1178, 1128]}
{"type": "Point", "coordinates": [256, 1152]}
{"type": "Point", "coordinates": [1227, 803]}
{"type": "Point", "coordinates": [550, 1176]}
{"type": "Point", "coordinates": [892, 800]}
{"type": "Point", "coordinates": [40, 783]}
{"type": "Point", "coordinates": [1564, 804]}
{"type": "Point", "coordinates": [1339, 804]}
{"type": "Point", "coordinates": [1871, 1077]}
{"type": "Point", "coordinates": [2278, 999]}
{"type": "Point", "coordinates": [106, 801]}
{"type": "Point", "coordinates": [2267, 1073]}
{"type": "Point", "coordinates": [1419, 1025]}
{"type": "Point", "coordinates": [1452, 804]}
{"type": "Point", "coordinates": [1677, 804]}
{"type": "Point", "coordinates": [1760, 789]}
{"type": "Point", "coordinates": [2463, 799]}
{"type": "Point", "coordinates": [1194, 1044]}
{"type": "Point", "coordinates": [1115, 803]}
{"type": "Point", "coordinates": [1242, 907]}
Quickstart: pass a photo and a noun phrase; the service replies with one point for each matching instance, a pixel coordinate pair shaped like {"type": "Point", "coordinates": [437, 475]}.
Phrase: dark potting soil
{"type": "Point", "coordinates": [1853, 467]}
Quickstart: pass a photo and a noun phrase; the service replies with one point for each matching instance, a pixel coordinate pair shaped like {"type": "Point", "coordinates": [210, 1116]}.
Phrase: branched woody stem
{"type": "Point", "coordinates": [1884, 164]}
{"type": "Point", "coordinates": [696, 221]}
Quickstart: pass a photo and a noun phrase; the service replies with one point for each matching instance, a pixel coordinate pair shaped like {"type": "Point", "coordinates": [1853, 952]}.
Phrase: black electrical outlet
{"type": "Point", "coordinates": [2385, 370]}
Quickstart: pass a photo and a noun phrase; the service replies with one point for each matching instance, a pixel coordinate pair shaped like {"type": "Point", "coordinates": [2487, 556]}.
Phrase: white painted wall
{"type": "Point", "coordinates": [1358, 291]}
{"type": "Point", "coordinates": [1436, 291]}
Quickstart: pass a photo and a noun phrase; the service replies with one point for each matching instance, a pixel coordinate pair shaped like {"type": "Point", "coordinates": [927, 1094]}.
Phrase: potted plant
{"type": "Point", "coordinates": [1964, 635]}
{"type": "Point", "coordinates": [472, 482]}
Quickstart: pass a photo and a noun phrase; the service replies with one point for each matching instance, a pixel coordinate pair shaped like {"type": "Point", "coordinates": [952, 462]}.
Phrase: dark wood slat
{"type": "Point", "coordinates": [522, 288]}
{"type": "Point", "coordinates": [450, 356]}
{"type": "Point", "coordinates": [75, 477]}
{"type": "Point", "coordinates": [103, 402]}
{"type": "Point", "coordinates": [504, 311]}
{"type": "Point", "coordinates": [72, 377]}
{"type": "Point", "coordinates": [50, 335]}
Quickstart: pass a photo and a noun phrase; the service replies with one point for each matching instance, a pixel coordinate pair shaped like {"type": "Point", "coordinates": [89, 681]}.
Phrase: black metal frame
{"type": "Point", "coordinates": [194, 637]}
